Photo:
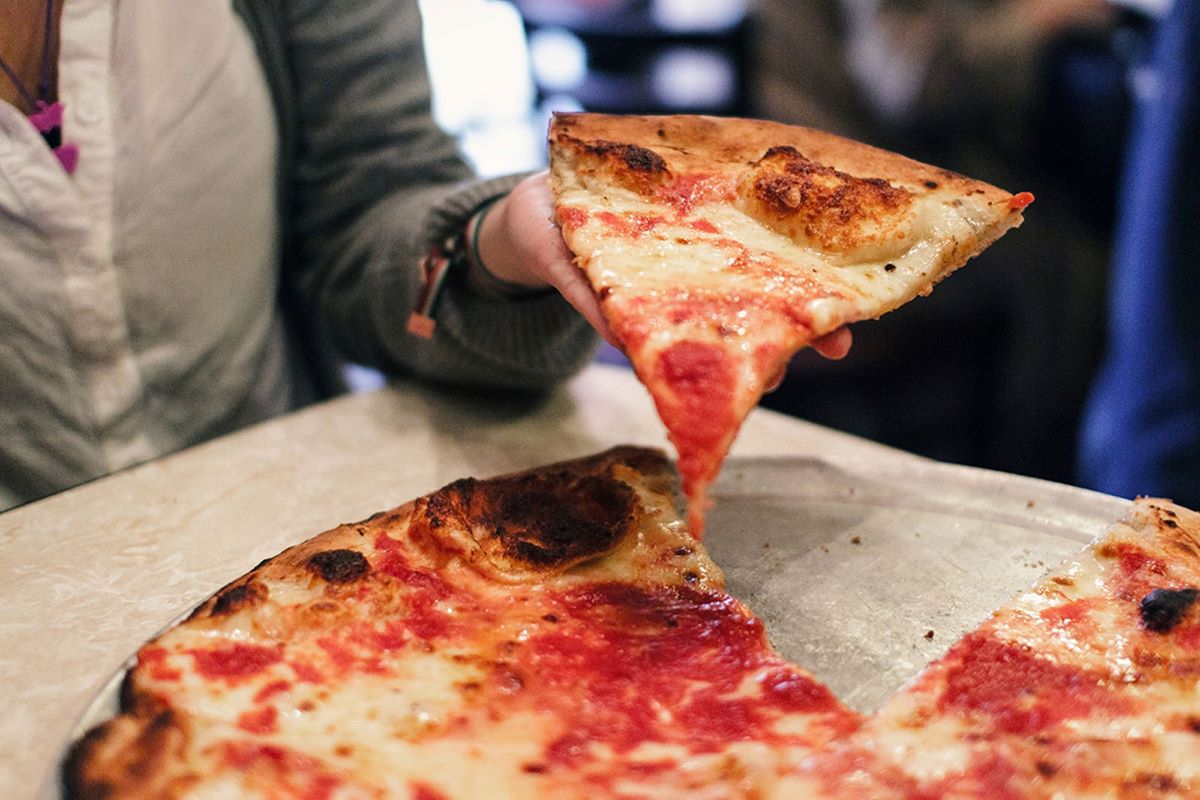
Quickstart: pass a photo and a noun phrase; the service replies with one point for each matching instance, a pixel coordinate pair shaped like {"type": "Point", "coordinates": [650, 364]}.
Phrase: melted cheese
{"type": "Point", "coordinates": [628, 243]}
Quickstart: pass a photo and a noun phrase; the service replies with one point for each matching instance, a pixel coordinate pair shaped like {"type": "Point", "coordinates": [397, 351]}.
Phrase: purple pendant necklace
{"type": "Point", "coordinates": [47, 117]}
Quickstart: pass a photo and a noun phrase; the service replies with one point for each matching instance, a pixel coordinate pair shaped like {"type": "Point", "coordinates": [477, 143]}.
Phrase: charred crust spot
{"type": "Point", "coordinates": [633, 166]}
{"type": "Point", "coordinates": [683, 550]}
{"type": "Point", "coordinates": [929, 634]}
{"type": "Point", "coordinates": [441, 506]}
{"type": "Point", "coordinates": [1193, 724]}
{"type": "Point", "coordinates": [339, 566]}
{"type": "Point", "coordinates": [1185, 546]}
{"type": "Point", "coordinates": [550, 617]}
{"type": "Point", "coordinates": [635, 157]}
{"type": "Point", "coordinates": [136, 760]}
{"type": "Point", "coordinates": [548, 518]}
{"type": "Point", "coordinates": [931, 184]}
{"type": "Point", "coordinates": [605, 292]}
{"type": "Point", "coordinates": [1170, 523]}
{"type": "Point", "coordinates": [1163, 609]}
{"type": "Point", "coordinates": [889, 267]}
{"type": "Point", "coordinates": [690, 576]}
{"type": "Point", "coordinates": [785, 151]}
{"type": "Point", "coordinates": [75, 782]}
{"type": "Point", "coordinates": [235, 598]}
{"type": "Point", "coordinates": [1063, 580]}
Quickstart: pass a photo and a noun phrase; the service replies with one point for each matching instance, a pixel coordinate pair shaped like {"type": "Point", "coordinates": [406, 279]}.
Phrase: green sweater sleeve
{"type": "Point", "coordinates": [371, 183]}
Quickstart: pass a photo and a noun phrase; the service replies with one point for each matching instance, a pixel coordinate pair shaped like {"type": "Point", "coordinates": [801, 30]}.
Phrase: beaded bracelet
{"type": "Point", "coordinates": [446, 257]}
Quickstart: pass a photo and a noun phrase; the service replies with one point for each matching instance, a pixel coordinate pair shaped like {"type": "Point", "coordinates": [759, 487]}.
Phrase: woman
{"type": "Point", "coordinates": [237, 192]}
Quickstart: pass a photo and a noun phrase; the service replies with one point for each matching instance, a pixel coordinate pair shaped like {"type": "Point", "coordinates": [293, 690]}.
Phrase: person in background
{"type": "Point", "coordinates": [992, 369]}
{"type": "Point", "coordinates": [1141, 434]}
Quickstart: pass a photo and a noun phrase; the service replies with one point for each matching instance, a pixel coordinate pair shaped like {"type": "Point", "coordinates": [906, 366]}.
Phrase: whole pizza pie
{"type": "Point", "coordinates": [559, 633]}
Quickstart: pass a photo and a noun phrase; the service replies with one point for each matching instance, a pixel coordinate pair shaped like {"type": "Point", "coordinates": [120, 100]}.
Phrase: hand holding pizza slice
{"type": "Point", "coordinates": [719, 247]}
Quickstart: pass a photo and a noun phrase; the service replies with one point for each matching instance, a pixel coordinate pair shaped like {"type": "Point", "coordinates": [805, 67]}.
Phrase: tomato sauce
{"type": "Point", "coordinates": [346, 658]}
{"type": "Point", "coordinates": [423, 791]}
{"type": "Point", "coordinates": [1020, 200]}
{"type": "Point", "coordinates": [1188, 637]}
{"type": "Point", "coordinates": [424, 619]}
{"type": "Point", "coordinates": [628, 665]}
{"type": "Point", "coordinates": [686, 192]}
{"type": "Point", "coordinates": [632, 225]}
{"type": "Point", "coordinates": [699, 415]}
{"type": "Point", "coordinates": [260, 720]}
{"type": "Point", "coordinates": [1023, 694]}
{"type": "Point", "coordinates": [154, 659]}
{"type": "Point", "coordinates": [235, 661]}
{"type": "Point", "coordinates": [270, 690]}
{"type": "Point", "coordinates": [292, 774]}
{"type": "Point", "coordinates": [306, 672]}
{"type": "Point", "coordinates": [571, 217]}
{"type": "Point", "coordinates": [1137, 573]}
{"type": "Point", "coordinates": [1072, 617]}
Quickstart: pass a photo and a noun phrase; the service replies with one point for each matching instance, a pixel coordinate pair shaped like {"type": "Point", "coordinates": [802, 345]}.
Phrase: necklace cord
{"type": "Point", "coordinates": [43, 88]}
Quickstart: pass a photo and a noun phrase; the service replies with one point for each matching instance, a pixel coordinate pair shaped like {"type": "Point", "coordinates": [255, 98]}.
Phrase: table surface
{"type": "Point", "coordinates": [87, 575]}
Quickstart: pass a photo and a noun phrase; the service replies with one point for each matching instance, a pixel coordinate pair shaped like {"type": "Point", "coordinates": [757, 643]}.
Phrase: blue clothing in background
{"type": "Point", "coordinates": [1141, 432]}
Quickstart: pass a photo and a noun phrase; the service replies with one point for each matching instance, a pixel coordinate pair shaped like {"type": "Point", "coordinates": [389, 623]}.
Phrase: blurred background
{"type": "Point", "coordinates": [995, 368]}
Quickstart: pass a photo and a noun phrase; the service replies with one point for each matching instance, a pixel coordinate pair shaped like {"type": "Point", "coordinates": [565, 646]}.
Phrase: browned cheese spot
{"type": "Point", "coordinates": [630, 165]}
{"type": "Point", "coordinates": [235, 598]}
{"type": "Point", "coordinates": [798, 196]}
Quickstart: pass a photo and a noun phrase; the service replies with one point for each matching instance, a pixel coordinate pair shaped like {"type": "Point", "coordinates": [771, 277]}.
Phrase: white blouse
{"type": "Point", "coordinates": [137, 296]}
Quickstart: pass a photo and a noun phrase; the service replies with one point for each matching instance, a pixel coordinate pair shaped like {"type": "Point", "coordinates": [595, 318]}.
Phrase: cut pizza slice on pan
{"type": "Point", "coordinates": [720, 247]}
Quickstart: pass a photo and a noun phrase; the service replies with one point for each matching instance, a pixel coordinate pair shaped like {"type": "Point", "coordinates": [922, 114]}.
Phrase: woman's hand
{"type": "Point", "coordinates": [520, 244]}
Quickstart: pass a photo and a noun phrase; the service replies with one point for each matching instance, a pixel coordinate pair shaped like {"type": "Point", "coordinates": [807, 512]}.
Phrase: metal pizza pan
{"type": "Point", "coordinates": [863, 574]}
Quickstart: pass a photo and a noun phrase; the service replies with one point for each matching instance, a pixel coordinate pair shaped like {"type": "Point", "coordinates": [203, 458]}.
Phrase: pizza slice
{"type": "Point", "coordinates": [551, 634]}
{"type": "Point", "coordinates": [719, 247]}
{"type": "Point", "coordinates": [1087, 686]}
